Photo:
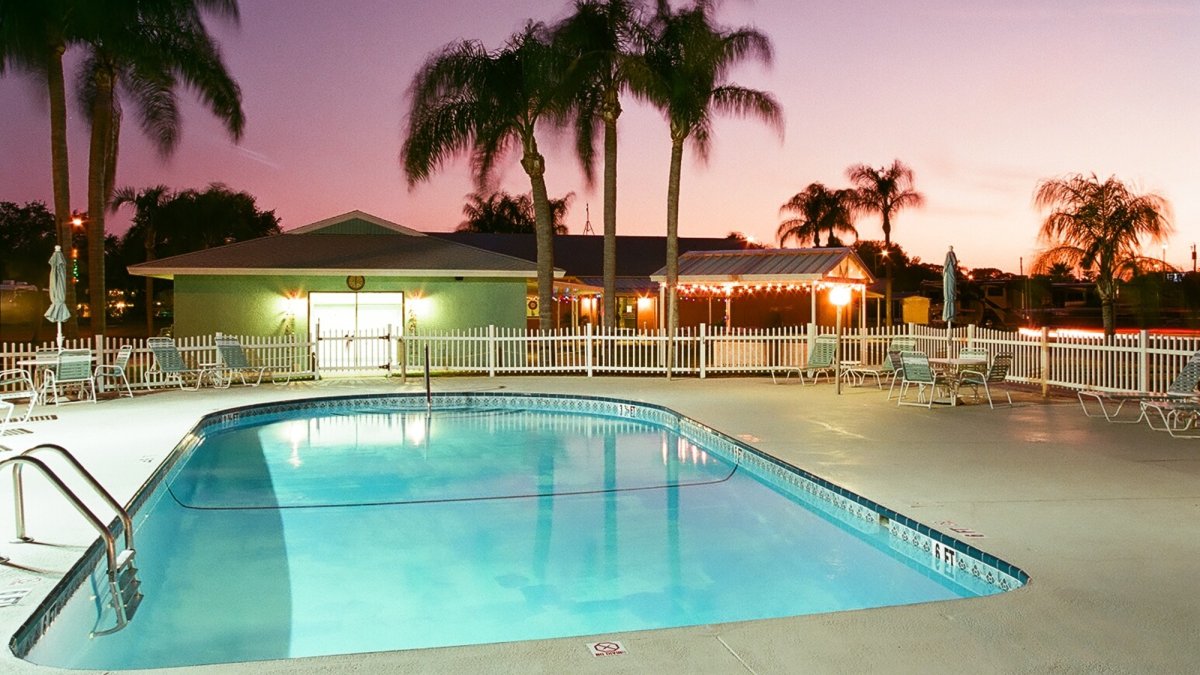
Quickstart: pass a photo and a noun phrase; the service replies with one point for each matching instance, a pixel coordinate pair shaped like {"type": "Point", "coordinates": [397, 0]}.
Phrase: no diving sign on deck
{"type": "Point", "coordinates": [606, 648]}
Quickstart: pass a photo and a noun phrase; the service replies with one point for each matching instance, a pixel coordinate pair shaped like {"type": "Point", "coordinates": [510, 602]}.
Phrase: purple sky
{"type": "Point", "coordinates": [981, 98]}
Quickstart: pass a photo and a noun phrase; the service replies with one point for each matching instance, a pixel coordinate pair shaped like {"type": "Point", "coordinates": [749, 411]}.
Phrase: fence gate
{"type": "Point", "coordinates": [361, 353]}
{"type": "Point", "coordinates": [356, 333]}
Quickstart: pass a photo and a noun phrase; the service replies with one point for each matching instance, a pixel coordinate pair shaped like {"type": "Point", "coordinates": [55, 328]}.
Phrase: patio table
{"type": "Point", "coordinates": [952, 368]}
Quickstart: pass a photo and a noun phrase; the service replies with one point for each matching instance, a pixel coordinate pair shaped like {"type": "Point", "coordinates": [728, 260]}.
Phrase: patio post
{"type": "Point", "coordinates": [1045, 361]}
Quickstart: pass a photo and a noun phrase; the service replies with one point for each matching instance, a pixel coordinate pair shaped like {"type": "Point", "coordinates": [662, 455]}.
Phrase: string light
{"type": "Point", "coordinates": [730, 290]}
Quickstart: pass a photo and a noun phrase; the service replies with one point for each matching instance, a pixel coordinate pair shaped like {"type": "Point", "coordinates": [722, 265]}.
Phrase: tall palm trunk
{"type": "Point", "coordinates": [612, 110]}
{"type": "Point", "coordinates": [1106, 289]}
{"type": "Point", "coordinates": [101, 164]}
{"type": "Point", "coordinates": [673, 246]}
{"type": "Point", "coordinates": [60, 167]}
{"type": "Point", "coordinates": [535, 166]}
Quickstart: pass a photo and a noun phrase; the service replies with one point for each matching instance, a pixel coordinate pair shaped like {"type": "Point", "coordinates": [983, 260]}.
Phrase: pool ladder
{"type": "Point", "coordinates": [123, 585]}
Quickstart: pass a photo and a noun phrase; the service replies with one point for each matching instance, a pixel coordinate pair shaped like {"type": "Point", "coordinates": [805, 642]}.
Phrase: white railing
{"type": "Point", "coordinates": [1140, 361]}
{"type": "Point", "coordinates": [284, 355]}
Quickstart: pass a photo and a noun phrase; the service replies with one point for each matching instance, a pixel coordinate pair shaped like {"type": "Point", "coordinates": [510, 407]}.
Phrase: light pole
{"type": "Point", "coordinates": [77, 224]}
{"type": "Point", "coordinates": [839, 296]}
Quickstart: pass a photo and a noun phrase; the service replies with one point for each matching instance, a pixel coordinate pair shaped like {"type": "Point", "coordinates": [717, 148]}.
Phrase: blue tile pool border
{"type": "Point", "coordinates": [942, 554]}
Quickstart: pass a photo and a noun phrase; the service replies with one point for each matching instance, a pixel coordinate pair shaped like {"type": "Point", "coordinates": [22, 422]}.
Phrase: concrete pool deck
{"type": "Point", "coordinates": [1103, 517]}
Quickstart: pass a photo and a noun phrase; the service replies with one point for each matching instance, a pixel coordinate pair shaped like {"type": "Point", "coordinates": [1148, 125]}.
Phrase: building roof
{"type": "Point", "coordinates": [767, 266]}
{"type": "Point", "coordinates": [582, 255]}
{"type": "Point", "coordinates": [315, 251]}
{"type": "Point", "coordinates": [355, 222]}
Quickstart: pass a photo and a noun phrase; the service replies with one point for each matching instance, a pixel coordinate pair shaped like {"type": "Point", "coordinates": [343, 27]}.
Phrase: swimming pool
{"type": "Point", "coordinates": [360, 524]}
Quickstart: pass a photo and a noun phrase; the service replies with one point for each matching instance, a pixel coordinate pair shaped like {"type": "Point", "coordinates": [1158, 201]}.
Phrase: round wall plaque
{"type": "Point", "coordinates": [355, 282]}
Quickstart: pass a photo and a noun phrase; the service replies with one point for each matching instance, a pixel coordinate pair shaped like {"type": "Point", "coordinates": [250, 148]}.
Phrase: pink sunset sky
{"type": "Point", "coordinates": [982, 99]}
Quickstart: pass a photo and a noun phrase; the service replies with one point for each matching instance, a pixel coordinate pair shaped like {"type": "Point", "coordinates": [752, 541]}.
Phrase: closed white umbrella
{"type": "Point", "coordinates": [949, 287]}
{"type": "Point", "coordinates": [58, 311]}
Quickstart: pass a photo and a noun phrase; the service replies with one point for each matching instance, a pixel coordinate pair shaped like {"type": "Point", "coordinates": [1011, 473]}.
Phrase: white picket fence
{"type": "Point", "coordinates": [285, 355]}
{"type": "Point", "coordinates": [1140, 361]}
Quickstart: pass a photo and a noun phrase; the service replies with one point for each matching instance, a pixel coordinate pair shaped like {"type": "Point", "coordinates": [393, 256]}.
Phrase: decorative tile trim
{"type": "Point", "coordinates": [975, 570]}
{"type": "Point", "coordinates": [947, 560]}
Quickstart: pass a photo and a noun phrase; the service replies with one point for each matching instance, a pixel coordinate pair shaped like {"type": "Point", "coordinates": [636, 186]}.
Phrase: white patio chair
{"type": "Point", "coordinates": [1182, 388]}
{"type": "Point", "coordinates": [918, 371]}
{"type": "Point", "coordinates": [818, 362]}
{"type": "Point", "coordinates": [73, 368]}
{"type": "Point", "coordinates": [170, 364]}
{"type": "Point", "coordinates": [233, 361]}
{"type": "Point", "coordinates": [888, 367]}
{"type": "Point", "coordinates": [995, 374]}
{"type": "Point", "coordinates": [1177, 417]}
{"type": "Point", "coordinates": [16, 384]}
{"type": "Point", "coordinates": [116, 370]}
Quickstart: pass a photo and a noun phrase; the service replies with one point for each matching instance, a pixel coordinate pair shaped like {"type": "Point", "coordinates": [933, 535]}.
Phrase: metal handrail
{"type": "Point", "coordinates": [18, 492]}
{"type": "Point", "coordinates": [110, 544]}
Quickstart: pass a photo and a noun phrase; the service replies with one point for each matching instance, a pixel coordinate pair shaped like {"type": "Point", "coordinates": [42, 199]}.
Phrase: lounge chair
{"type": "Point", "coordinates": [918, 371]}
{"type": "Point", "coordinates": [16, 384]}
{"type": "Point", "coordinates": [819, 361]}
{"type": "Point", "coordinates": [170, 364]}
{"type": "Point", "coordinates": [887, 368]}
{"type": "Point", "coordinates": [232, 361]}
{"type": "Point", "coordinates": [1177, 416]}
{"type": "Point", "coordinates": [73, 367]}
{"type": "Point", "coordinates": [994, 374]}
{"type": "Point", "coordinates": [116, 370]}
{"type": "Point", "coordinates": [1182, 388]}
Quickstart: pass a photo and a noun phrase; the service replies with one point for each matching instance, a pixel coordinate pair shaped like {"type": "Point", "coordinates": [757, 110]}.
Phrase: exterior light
{"type": "Point", "coordinates": [420, 306]}
{"type": "Point", "coordinates": [840, 296]}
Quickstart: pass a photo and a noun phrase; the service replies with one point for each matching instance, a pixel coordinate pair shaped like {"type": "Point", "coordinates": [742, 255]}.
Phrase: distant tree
{"type": "Point", "coordinates": [169, 223]}
{"type": "Point", "coordinates": [987, 274]}
{"type": "Point", "coordinates": [501, 212]}
{"type": "Point", "coordinates": [27, 237]}
{"type": "Point", "coordinates": [1099, 227]}
{"type": "Point", "coordinates": [885, 191]}
{"type": "Point", "coordinates": [193, 220]}
{"type": "Point", "coordinates": [818, 210]}
{"type": "Point", "coordinates": [147, 204]}
{"type": "Point", "coordinates": [1060, 272]}
{"type": "Point", "coordinates": [743, 241]}
{"type": "Point", "coordinates": [687, 62]}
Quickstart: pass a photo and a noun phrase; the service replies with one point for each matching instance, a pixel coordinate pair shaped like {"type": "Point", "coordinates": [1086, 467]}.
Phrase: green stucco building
{"type": "Point", "coordinates": [350, 274]}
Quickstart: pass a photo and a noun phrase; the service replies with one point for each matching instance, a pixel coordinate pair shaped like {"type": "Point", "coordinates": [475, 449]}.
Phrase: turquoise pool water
{"type": "Point", "coordinates": [355, 526]}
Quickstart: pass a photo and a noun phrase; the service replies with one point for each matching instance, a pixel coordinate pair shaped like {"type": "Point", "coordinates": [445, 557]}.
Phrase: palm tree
{"type": "Point", "coordinates": [1098, 227]}
{"type": "Point", "coordinates": [686, 64]}
{"type": "Point", "coordinates": [465, 97]}
{"type": "Point", "coordinates": [885, 191]}
{"type": "Point", "coordinates": [819, 210]}
{"type": "Point", "coordinates": [502, 213]}
{"type": "Point", "coordinates": [605, 38]}
{"type": "Point", "coordinates": [143, 49]}
{"type": "Point", "coordinates": [148, 205]}
{"type": "Point", "coordinates": [33, 38]}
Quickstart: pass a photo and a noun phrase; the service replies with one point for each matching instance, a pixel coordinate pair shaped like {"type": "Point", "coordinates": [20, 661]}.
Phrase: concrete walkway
{"type": "Point", "coordinates": [1102, 516]}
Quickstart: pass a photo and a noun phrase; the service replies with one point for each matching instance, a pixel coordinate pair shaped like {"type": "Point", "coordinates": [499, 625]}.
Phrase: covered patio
{"type": "Point", "coordinates": [768, 288]}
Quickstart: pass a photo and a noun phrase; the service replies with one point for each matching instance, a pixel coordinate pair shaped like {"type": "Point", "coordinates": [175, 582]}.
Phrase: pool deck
{"type": "Point", "coordinates": [1103, 517]}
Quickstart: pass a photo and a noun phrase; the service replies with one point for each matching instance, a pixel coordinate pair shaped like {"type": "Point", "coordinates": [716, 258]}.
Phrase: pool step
{"type": "Point", "coordinates": [128, 586]}
{"type": "Point", "coordinates": [124, 590]}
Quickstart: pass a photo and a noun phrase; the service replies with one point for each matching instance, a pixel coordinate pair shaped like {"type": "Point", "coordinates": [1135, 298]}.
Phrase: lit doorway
{"type": "Point", "coordinates": [356, 333]}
